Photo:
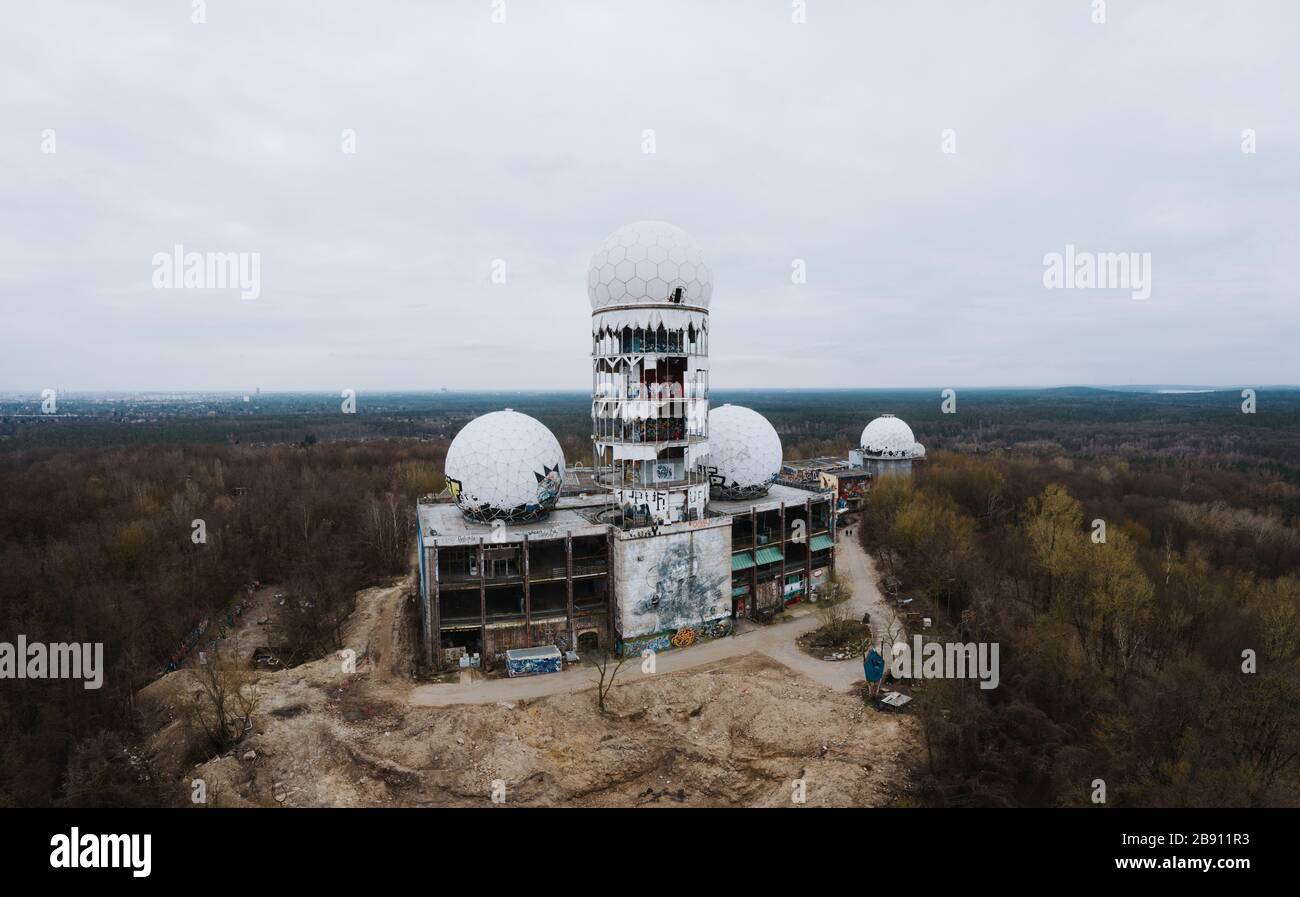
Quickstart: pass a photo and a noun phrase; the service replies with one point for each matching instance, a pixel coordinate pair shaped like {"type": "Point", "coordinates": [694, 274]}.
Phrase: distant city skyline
{"type": "Point", "coordinates": [887, 198]}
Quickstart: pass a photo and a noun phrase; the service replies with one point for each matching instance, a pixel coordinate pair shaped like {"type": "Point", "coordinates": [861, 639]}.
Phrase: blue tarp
{"type": "Point", "coordinates": [873, 666]}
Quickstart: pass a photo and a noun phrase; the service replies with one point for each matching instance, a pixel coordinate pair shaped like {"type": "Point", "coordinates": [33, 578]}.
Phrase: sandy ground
{"type": "Point", "coordinates": [247, 634]}
{"type": "Point", "coordinates": [734, 722]}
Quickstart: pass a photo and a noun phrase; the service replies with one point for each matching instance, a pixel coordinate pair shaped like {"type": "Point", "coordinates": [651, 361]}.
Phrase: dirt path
{"type": "Point", "coordinates": [374, 632]}
{"type": "Point", "coordinates": [776, 641]}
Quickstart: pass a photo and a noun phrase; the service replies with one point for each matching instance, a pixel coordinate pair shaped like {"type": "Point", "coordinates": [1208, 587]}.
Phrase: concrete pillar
{"type": "Point", "coordinates": [780, 589]}
{"type": "Point", "coordinates": [753, 570]}
{"type": "Point", "coordinates": [528, 601]}
{"type": "Point", "coordinates": [433, 633]}
{"type": "Point", "coordinates": [482, 604]}
{"type": "Point", "coordinates": [568, 587]}
{"type": "Point", "coordinates": [807, 553]}
{"type": "Point", "coordinates": [611, 600]}
{"type": "Point", "coordinates": [833, 530]}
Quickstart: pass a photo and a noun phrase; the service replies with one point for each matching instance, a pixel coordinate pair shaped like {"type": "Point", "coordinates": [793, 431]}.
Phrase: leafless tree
{"type": "Point", "coordinates": [607, 668]}
{"type": "Point", "coordinates": [222, 708]}
{"type": "Point", "coordinates": [833, 605]}
{"type": "Point", "coordinates": [384, 522]}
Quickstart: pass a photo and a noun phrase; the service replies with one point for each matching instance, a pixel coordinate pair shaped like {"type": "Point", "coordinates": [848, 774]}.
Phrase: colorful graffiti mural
{"type": "Point", "coordinates": [533, 661]}
{"type": "Point", "coordinates": [680, 638]}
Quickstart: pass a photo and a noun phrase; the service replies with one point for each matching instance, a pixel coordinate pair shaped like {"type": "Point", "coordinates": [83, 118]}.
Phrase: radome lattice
{"type": "Point", "coordinates": [888, 437]}
{"type": "Point", "coordinates": [505, 466]}
{"type": "Point", "coordinates": [644, 263]}
{"type": "Point", "coordinates": [744, 453]}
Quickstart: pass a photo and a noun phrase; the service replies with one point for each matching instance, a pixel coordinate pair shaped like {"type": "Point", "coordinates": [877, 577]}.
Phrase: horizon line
{"type": "Point", "coordinates": [101, 391]}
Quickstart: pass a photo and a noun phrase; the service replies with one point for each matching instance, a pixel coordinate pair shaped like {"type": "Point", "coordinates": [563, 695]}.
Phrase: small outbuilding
{"type": "Point", "coordinates": [532, 661]}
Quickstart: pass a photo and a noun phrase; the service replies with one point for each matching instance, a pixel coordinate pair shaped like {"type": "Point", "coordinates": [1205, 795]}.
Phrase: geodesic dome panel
{"type": "Point", "coordinates": [505, 466]}
{"type": "Point", "coordinates": [644, 263]}
{"type": "Point", "coordinates": [744, 453]}
{"type": "Point", "coordinates": [888, 437]}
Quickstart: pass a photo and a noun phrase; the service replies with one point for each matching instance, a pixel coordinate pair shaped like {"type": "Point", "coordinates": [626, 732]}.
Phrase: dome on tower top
{"type": "Point", "coordinates": [504, 466]}
{"type": "Point", "coordinates": [888, 437]}
{"type": "Point", "coordinates": [646, 263]}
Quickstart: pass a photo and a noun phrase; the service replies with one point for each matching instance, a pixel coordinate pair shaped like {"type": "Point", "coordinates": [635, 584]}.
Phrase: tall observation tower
{"type": "Point", "coordinates": [650, 290]}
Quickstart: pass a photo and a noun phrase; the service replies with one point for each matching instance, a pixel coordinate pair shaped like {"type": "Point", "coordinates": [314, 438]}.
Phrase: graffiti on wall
{"type": "Point", "coordinates": [674, 580]}
{"type": "Point", "coordinates": [533, 666]}
{"type": "Point", "coordinates": [681, 638]}
{"type": "Point", "coordinates": [657, 643]}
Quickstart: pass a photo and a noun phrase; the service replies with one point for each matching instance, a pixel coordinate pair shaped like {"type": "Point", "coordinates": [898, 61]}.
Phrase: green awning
{"type": "Point", "coordinates": [769, 555]}
{"type": "Point", "coordinates": [821, 542]}
{"type": "Point", "coordinates": [741, 561]}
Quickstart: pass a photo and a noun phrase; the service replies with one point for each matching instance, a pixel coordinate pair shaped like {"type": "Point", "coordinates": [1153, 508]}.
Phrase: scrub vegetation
{"type": "Point", "coordinates": [1120, 660]}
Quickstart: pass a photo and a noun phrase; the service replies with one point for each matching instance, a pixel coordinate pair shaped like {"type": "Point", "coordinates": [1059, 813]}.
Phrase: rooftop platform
{"type": "Point", "coordinates": [443, 522]}
{"type": "Point", "coordinates": [847, 471]}
{"type": "Point", "coordinates": [578, 511]}
{"type": "Point", "coordinates": [578, 480]}
{"type": "Point", "coordinates": [826, 462]}
{"type": "Point", "coordinates": [775, 496]}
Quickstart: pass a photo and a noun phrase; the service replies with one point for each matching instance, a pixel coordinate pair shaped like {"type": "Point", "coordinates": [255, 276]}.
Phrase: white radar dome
{"type": "Point", "coordinates": [888, 437]}
{"type": "Point", "coordinates": [649, 263]}
{"type": "Point", "coordinates": [744, 453]}
{"type": "Point", "coordinates": [505, 466]}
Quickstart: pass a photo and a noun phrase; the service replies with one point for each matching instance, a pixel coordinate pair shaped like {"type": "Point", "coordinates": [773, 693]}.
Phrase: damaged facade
{"type": "Point", "coordinates": [581, 583]}
{"type": "Point", "coordinates": [632, 553]}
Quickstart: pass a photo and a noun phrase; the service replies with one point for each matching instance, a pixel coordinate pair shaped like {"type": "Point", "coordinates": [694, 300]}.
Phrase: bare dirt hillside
{"type": "Point", "coordinates": [735, 733]}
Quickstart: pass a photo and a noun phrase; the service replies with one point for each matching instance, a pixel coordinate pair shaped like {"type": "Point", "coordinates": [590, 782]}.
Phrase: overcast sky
{"type": "Point", "coordinates": [523, 141]}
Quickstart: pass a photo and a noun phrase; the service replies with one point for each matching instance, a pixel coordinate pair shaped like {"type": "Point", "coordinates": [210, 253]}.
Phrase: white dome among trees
{"type": "Point", "coordinates": [889, 437]}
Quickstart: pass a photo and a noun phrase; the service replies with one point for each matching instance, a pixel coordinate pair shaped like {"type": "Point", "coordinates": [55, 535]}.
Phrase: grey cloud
{"type": "Point", "coordinates": [522, 142]}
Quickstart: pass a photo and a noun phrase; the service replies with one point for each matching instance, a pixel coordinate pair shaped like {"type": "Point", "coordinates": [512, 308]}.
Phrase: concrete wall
{"type": "Point", "coordinates": [884, 467]}
{"type": "Point", "coordinates": [767, 601]}
{"type": "Point", "coordinates": [679, 576]}
{"type": "Point", "coordinates": [503, 637]}
{"type": "Point", "coordinates": [665, 505]}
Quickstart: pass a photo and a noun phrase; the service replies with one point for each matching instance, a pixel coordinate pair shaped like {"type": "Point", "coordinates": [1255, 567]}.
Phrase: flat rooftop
{"type": "Point", "coordinates": [776, 494]}
{"type": "Point", "coordinates": [822, 463]}
{"type": "Point", "coordinates": [846, 471]}
{"type": "Point", "coordinates": [578, 480]}
{"type": "Point", "coordinates": [578, 514]}
{"type": "Point", "coordinates": [445, 523]}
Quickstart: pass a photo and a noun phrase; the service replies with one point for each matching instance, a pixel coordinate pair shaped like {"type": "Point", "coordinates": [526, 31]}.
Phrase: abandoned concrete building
{"type": "Point", "coordinates": [576, 581]}
{"type": "Point", "coordinates": [664, 540]}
